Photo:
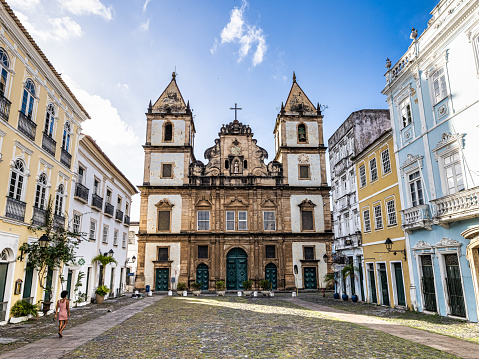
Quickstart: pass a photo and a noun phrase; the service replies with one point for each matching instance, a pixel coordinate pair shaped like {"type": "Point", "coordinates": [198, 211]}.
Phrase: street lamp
{"type": "Point", "coordinates": [133, 259]}
{"type": "Point", "coordinates": [325, 257]}
{"type": "Point", "coordinates": [389, 246]}
{"type": "Point", "coordinates": [43, 241]}
{"type": "Point", "coordinates": [110, 252]}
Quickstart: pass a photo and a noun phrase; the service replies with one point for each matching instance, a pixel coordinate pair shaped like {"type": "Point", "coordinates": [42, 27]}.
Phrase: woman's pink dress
{"type": "Point", "coordinates": [62, 313]}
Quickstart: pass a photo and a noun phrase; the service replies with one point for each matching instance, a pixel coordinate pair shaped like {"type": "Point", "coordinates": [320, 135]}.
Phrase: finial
{"type": "Point", "coordinates": [188, 104]}
{"type": "Point", "coordinates": [294, 77]}
{"type": "Point", "coordinates": [413, 34]}
{"type": "Point", "coordinates": [282, 108]}
{"type": "Point", "coordinates": [173, 75]}
{"type": "Point", "coordinates": [388, 63]}
{"type": "Point", "coordinates": [150, 107]}
{"type": "Point", "coordinates": [318, 109]}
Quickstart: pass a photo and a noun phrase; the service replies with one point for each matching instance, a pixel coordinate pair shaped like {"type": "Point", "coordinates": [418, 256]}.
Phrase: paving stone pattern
{"type": "Point", "coordinates": [239, 327]}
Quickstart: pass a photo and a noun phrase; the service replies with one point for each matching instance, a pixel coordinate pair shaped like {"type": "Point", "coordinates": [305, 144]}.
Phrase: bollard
{"type": "Point", "coordinates": [150, 293]}
{"type": "Point", "coordinates": [185, 293]}
{"type": "Point", "coordinates": [271, 294]}
{"type": "Point", "coordinates": [170, 293]}
{"type": "Point", "coordinates": [293, 294]}
{"type": "Point", "coordinates": [239, 294]}
{"type": "Point", "coordinates": [255, 294]}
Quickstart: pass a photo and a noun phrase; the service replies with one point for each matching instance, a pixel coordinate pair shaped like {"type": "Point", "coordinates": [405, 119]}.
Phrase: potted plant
{"type": "Point", "coordinates": [347, 271]}
{"type": "Point", "coordinates": [264, 284]}
{"type": "Point", "coordinates": [220, 288]}
{"type": "Point", "coordinates": [21, 310]}
{"type": "Point", "coordinates": [100, 292]}
{"type": "Point", "coordinates": [196, 288]}
{"type": "Point", "coordinates": [330, 280]}
{"type": "Point", "coordinates": [247, 285]}
{"type": "Point", "coordinates": [181, 288]}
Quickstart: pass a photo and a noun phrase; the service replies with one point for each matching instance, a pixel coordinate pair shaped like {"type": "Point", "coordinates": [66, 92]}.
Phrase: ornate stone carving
{"type": "Point", "coordinates": [235, 128]}
{"type": "Point", "coordinates": [448, 242]}
{"type": "Point", "coordinates": [307, 203]}
{"type": "Point", "coordinates": [303, 158]}
{"type": "Point", "coordinates": [448, 139]}
{"type": "Point", "coordinates": [197, 168]}
{"type": "Point", "coordinates": [164, 203]}
{"type": "Point", "coordinates": [421, 245]}
{"type": "Point", "coordinates": [411, 160]}
{"type": "Point", "coordinates": [235, 150]}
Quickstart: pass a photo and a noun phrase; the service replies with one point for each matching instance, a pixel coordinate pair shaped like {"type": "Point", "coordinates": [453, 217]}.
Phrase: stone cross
{"type": "Point", "coordinates": [236, 108]}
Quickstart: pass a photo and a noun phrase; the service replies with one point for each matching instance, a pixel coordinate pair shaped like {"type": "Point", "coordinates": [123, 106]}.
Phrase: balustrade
{"type": "Point", "coordinates": [109, 209]}
{"type": "Point", "coordinates": [4, 108]}
{"type": "Point", "coordinates": [66, 158]}
{"type": "Point", "coordinates": [416, 218]}
{"type": "Point", "coordinates": [81, 192]}
{"type": "Point", "coordinates": [49, 144]}
{"type": "Point", "coordinates": [96, 201]}
{"type": "Point", "coordinates": [27, 126]}
{"type": "Point", "coordinates": [15, 209]}
{"type": "Point", "coordinates": [457, 206]}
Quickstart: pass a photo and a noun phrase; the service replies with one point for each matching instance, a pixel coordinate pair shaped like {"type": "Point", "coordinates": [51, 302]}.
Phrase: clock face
{"type": "Point", "coordinates": [236, 150]}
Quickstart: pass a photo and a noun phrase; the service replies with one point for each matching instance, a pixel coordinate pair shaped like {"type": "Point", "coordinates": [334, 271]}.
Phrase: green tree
{"type": "Point", "coordinates": [104, 260]}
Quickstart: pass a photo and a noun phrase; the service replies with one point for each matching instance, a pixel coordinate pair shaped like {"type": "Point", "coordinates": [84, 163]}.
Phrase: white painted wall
{"type": "Point", "coordinates": [152, 220]}
{"type": "Point", "coordinates": [320, 251]}
{"type": "Point", "coordinates": [178, 160]}
{"type": "Point", "coordinates": [314, 170]}
{"type": "Point", "coordinates": [292, 134]}
{"type": "Point", "coordinates": [296, 213]}
{"type": "Point", "coordinates": [178, 133]}
{"type": "Point", "coordinates": [151, 255]}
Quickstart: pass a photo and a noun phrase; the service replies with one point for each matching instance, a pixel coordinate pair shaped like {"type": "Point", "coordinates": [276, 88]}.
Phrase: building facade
{"type": "Point", "coordinates": [132, 256]}
{"type": "Point", "coordinates": [433, 97]}
{"type": "Point", "coordinates": [235, 217]}
{"type": "Point", "coordinates": [385, 268]}
{"type": "Point", "coordinates": [40, 123]}
{"type": "Point", "coordinates": [101, 212]}
{"type": "Point", "coordinates": [355, 134]}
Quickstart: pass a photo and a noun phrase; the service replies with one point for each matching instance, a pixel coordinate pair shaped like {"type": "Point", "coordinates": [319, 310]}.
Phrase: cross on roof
{"type": "Point", "coordinates": [236, 108]}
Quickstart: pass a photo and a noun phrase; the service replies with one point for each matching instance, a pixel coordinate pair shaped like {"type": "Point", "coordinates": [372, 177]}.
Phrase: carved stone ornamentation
{"type": "Point", "coordinates": [303, 158]}
{"type": "Point", "coordinates": [448, 242]}
{"type": "Point", "coordinates": [421, 245]}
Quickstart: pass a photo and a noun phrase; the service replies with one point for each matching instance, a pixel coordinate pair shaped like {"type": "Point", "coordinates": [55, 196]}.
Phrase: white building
{"type": "Point", "coordinates": [100, 210]}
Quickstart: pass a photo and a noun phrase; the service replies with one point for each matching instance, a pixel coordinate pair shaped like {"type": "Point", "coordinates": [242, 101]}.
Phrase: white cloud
{"type": "Point", "coordinates": [27, 5]}
{"type": "Point", "coordinates": [62, 28]}
{"type": "Point", "coordinates": [122, 86]}
{"type": "Point", "coordinates": [145, 26]}
{"type": "Point", "coordinates": [87, 7]}
{"type": "Point", "coordinates": [238, 31]}
{"type": "Point", "coordinates": [146, 4]}
{"type": "Point", "coordinates": [106, 126]}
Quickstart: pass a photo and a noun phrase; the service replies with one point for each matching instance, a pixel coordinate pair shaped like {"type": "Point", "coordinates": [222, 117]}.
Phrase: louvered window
{"type": "Point", "coordinates": [164, 220]}
{"type": "Point", "coordinates": [307, 220]}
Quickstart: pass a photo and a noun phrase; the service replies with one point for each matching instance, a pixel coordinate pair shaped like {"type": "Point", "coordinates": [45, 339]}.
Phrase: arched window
{"type": "Point", "coordinates": [4, 256]}
{"type": "Point", "coordinates": [302, 133]}
{"type": "Point", "coordinates": [41, 191]}
{"type": "Point", "coordinates": [66, 137]}
{"type": "Point", "coordinates": [28, 98]}
{"type": "Point", "coordinates": [59, 201]}
{"type": "Point", "coordinates": [16, 180]}
{"type": "Point", "coordinates": [49, 119]}
{"type": "Point", "coordinates": [5, 64]}
{"type": "Point", "coordinates": [168, 132]}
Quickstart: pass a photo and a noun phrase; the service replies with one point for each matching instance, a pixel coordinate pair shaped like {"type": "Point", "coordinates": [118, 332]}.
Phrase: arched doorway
{"type": "Point", "coordinates": [271, 275]}
{"type": "Point", "coordinates": [236, 269]}
{"type": "Point", "coordinates": [203, 276]}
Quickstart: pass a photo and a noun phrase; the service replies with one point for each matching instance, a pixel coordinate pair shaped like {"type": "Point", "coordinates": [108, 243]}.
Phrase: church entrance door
{"type": "Point", "coordinates": [271, 275]}
{"type": "Point", "coordinates": [162, 278]}
{"type": "Point", "coordinates": [203, 276]}
{"type": "Point", "coordinates": [310, 278]}
{"type": "Point", "coordinates": [236, 269]}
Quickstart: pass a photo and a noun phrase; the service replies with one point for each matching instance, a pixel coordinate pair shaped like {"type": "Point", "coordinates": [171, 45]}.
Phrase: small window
{"type": "Point", "coordinates": [131, 237]}
{"type": "Point", "coordinates": [270, 251]}
{"type": "Point", "coordinates": [230, 220]}
{"type": "Point", "coordinates": [16, 180]}
{"type": "Point", "coordinates": [164, 220]}
{"type": "Point", "coordinates": [453, 171]}
{"type": "Point", "coordinates": [76, 223]}
{"type": "Point", "coordinates": [242, 221]}
{"type": "Point", "coordinates": [269, 220]}
{"type": "Point", "coordinates": [391, 209]}
{"type": "Point", "coordinates": [203, 220]}
{"type": "Point", "coordinates": [307, 223]}
{"type": "Point", "coordinates": [373, 169]}
{"type": "Point", "coordinates": [108, 196]}
{"type": "Point", "coordinates": [405, 108]}
{"type": "Point", "coordinates": [415, 189]}
{"type": "Point", "coordinates": [28, 98]}
{"type": "Point", "coordinates": [168, 132]}
{"type": "Point", "coordinates": [378, 217]}
{"type": "Point", "coordinates": [367, 221]}
{"type": "Point", "coordinates": [40, 192]}
{"type": "Point", "coordinates": [309, 253]}
{"type": "Point", "coordinates": [163, 254]}
{"type": "Point", "coordinates": [302, 133]}
{"type": "Point", "coordinates": [362, 175]}
{"type": "Point", "coordinates": [303, 171]}
{"type": "Point", "coordinates": [166, 170]}
{"type": "Point", "coordinates": [49, 120]}
{"type": "Point", "coordinates": [118, 202]}
{"type": "Point", "coordinates": [227, 164]}
{"type": "Point", "coordinates": [59, 201]}
{"type": "Point", "coordinates": [92, 235]}
{"type": "Point", "coordinates": [123, 240]}
{"type": "Point", "coordinates": [96, 187]}
{"type": "Point", "coordinates": [81, 174]}
{"type": "Point", "coordinates": [115, 237]}
{"type": "Point", "coordinates": [66, 137]}
{"type": "Point", "coordinates": [203, 252]}
{"type": "Point", "coordinates": [439, 85]}
{"type": "Point", "coordinates": [245, 164]}
{"type": "Point", "coordinates": [386, 161]}
{"type": "Point", "coordinates": [105, 234]}
{"type": "Point", "coordinates": [4, 67]}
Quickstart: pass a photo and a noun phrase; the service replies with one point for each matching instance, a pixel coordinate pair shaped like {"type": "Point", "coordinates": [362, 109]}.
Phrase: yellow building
{"type": "Point", "coordinates": [386, 271]}
{"type": "Point", "coordinates": [39, 131]}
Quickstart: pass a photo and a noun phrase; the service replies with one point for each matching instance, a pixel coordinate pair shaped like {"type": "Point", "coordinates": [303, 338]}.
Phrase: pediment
{"type": "Point", "coordinates": [236, 202]}
{"type": "Point", "coordinates": [170, 99]}
{"type": "Point", "coordinates": [268, 202]}
{"type": "Point", "coordinates": [307, 203]}
{"type": "Point", "coordinates": [164, 204]}
{"type": "Point", "coordinates": [421, 245]}
{"type": "Point", "coordinates": [203, 202]}
{"type": "Point", "coordinates": [297, 100]}
{"type": "Point", "coordinates": [448, 242]}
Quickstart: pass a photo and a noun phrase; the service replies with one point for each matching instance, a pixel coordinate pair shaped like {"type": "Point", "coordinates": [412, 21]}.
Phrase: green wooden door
{"type": "Point", "coordinates": [48, 285]}
{"type": "Point", "coordinates": [372, 284]}
{"type": "Point", "coordinates": [236, 269]}
{"type": "Point", "coordinates": [162, 279]}
{"type": "Point", "coordinates": [27, 288]}
{"type": "Point", "coordinates": [271, 275]}
{"type": "Point", "coordinates": [310, 278]}
{"type": "Point", "coordinates": [454, 285]}
{"type": "Point", "coordinates": [3, 281]}
{"type": "Point", "coordinates": [427, 284]}
{"type": "Point", "coordinates": [399, 284]}
{"type": "Point", "coordinates": [203, 276]}
{"type": "Point", "coordinates": [383, 277]}
{"type": "Point", "coordinates": [361, 279]}
{"type": "Point", "coordinates": [69, 283]}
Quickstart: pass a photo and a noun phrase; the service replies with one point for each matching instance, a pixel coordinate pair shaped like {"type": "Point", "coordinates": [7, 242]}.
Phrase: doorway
{"type": "Point", "coordinates": [236, 269]}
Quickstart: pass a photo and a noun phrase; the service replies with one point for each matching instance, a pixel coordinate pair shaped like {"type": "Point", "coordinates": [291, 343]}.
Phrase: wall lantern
{"type": "Point", "coordinates": [110, 252]}
{"type": "Point", "coordinates": [43, 241]}
{"type": "Point", "coordinates": [325, 257]}
{"type": "Point", "coordinates": [133, 259]}
{"type": "Point", "coordinates": [389, 246]}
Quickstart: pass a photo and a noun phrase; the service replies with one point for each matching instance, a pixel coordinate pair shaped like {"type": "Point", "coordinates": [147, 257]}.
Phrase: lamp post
{"type": "Point", "coordinates": [325, 258]}
{"type": "Point", "coordinates": [295, 269]}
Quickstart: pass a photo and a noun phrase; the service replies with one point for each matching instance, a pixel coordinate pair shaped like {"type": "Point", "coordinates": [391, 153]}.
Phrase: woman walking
{"type": "Point", "coordinates": [63, 311]}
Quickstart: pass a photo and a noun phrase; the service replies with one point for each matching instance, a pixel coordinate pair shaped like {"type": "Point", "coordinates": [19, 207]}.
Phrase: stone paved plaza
{"type": "Point", "coordinates": [221, 327]}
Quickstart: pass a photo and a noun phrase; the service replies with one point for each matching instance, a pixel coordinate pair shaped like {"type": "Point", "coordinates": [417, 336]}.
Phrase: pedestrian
{"type": "Point", "coordinates": [63, 310]}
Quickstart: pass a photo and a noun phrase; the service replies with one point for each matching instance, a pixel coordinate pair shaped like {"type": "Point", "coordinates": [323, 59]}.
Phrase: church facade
{"type": "Point", "coordinates": [235, 216]}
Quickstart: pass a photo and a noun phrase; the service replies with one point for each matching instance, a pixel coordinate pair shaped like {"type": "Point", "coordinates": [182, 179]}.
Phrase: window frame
{"type": "Point", "coordinates": [453, 164]}
{"type": "Point", "coordinates": [59, 200]}
{"type": "Point", "coordinates": [78, 216]}
{"type": "Point", "coordinates": [390, 212]}
{"type": "Point", "coordinates": [306, 141]}
{"type": "Point", "coordinates": [405, 111]}
{"type": "Point", "coordinates": [4, 71]}
{"type": "Point", "coordinates": [104, 236]}
{"type": "Point", "coordinates": [160, 259]}
{"type": "Point", "coordinates": [388, 162]}
{"type": "Point", "coordinates": [415, 180]}
{"type": "Point", "coordinates": [203, 246]}
{"type": "Point", "coordinates": [169, 222]}
{"type": "Point", "coordinates": [264, 221]}
{"type": "Point", "coordinates": [312, 219]}
{"type": "Point", "coordinates": [313, 253]}
{"type": "Point", "coordinates": [207, 221]}
{"type": "Point", "coordinates": [166, 123]}
{"type": "Point", "coordinates": [49, 120]}
{"type": "Point", "coordinates": [116, 234]}
{"type": "Point", "coordinates": [18, 176]}
{"type": "Point", "coordinates": [299, 171]}
{"type": "Point", "coordinates": [243, 221]}
{"type": "Point", "coordinates": [442, 85]}
{"type": "Point", "coordinates": [362, 175]}
{"type": "Point", "coordinates": [269, 246]}
{"type": "Point", "coordinates": [66, 138]}
{"type": "Point", "coordinates": [230, 221]}
{"type": "Point", "coordinates": [28, 99]}
{"type": "Point", "coordinates": [371, 179]}
{"type": "Point", "coordinates": [378, 216]}
{"type": "Point", "coordinates": [90, 237]}
{"type": "Point", "coordinates": [162, 169]}
{"type": "Point", "coordinates": [366, 221]}
{"type": "Point", "coordinates": [123, 241]}
{"type": "Point", "coordinates": [41, 192]}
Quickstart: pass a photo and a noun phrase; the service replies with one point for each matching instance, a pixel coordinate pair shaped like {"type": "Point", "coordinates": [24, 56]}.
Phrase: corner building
{"type": "Point", "coordinates": [234, 217]}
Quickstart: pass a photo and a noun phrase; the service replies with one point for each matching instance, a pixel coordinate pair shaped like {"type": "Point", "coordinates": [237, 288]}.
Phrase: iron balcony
{"type": "Point", "coordinates": [15, 209]}
{"type": "Point", "coordinates": [49, 144]}
{"type": "Point", "coordinates": [39, 217]}
{"type": "Point", "coordinates": [119, 215]}
{"type": "Point", "coordinates": [4, 108]}
{"type": "Point", "coordinates": [26, 126]}
{"type": "Point", "coordinates": [66, 158]}
{"type": "Point", "coordinates": [81, 193]}
{"type": "Point", "coordinates": [109, 209]}
{"type": "Point", "coordinates": [96, 202]}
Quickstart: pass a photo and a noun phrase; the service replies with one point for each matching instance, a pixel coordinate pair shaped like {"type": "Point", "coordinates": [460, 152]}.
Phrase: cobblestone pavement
{"type": "Point", "coordinates": [239, 327]}
{"type": "Point", "coordinates": [27, 332]}
{"type": "Point", "coordinates": [455, 328]}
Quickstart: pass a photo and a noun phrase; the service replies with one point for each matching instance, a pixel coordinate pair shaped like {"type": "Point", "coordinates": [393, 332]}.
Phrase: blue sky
{"type": "Point", "coordinates": [117, 55]}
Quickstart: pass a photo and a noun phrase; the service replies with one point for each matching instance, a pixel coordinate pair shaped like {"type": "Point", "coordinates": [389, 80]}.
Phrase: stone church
{"type": "Point", "coordinates": [234, 216]}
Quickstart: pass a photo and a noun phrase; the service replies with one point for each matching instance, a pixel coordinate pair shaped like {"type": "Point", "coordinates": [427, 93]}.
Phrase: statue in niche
{"type": "Point", "coordinates": [236, 167]}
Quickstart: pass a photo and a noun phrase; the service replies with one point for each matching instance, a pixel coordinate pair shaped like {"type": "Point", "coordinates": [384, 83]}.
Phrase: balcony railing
{"type": "Point", "coordinates": [457, 207]}
{"type": "Point", "coordinates": [81, 193]}
{"type": "Point", "coordinates": [58, 221]}
{"type": "Point", "coordinates": [49, 144]}
{"type": "Point", "coordinates": [4, 108]}
{"type": "Point", "coordinates": [228, 181]}
{"type": "Point", "coordinates": [349, 241]}
{"type": "Point", "coordinates": [416, 218]}
{"type": "Point", "coordinates": [26, 126]}
{"type": "Point", "coordinates": [343, 202]}
{"type": "Point", "coordinates": [119, 215]}
{"type": "Point", "coordinates": [15, 209]}
{"type": "Point", "coordinates": [109, 209]}
{"type": "Point", "coordinates": [39, 217]}
{"type": "Point", "coordinates": [127, 220]}
{"type": "Point", "coordinates": [66, 158]}
{"type": "Point", "coordinates": [96, 201]}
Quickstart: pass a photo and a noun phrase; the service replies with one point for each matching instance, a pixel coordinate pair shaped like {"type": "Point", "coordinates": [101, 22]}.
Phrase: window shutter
{"type": "Point", "coordinates": [307, 220]}
{"type": "Point", "coordinates": [164, 220]}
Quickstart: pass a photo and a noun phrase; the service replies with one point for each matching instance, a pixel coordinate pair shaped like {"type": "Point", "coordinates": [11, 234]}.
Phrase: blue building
{"type": "Point", "coordinates": [433, 97]}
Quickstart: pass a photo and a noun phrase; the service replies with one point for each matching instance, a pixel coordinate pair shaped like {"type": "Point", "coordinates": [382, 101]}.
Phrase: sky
{"type": "Point", "coordinates": [118, 55]}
